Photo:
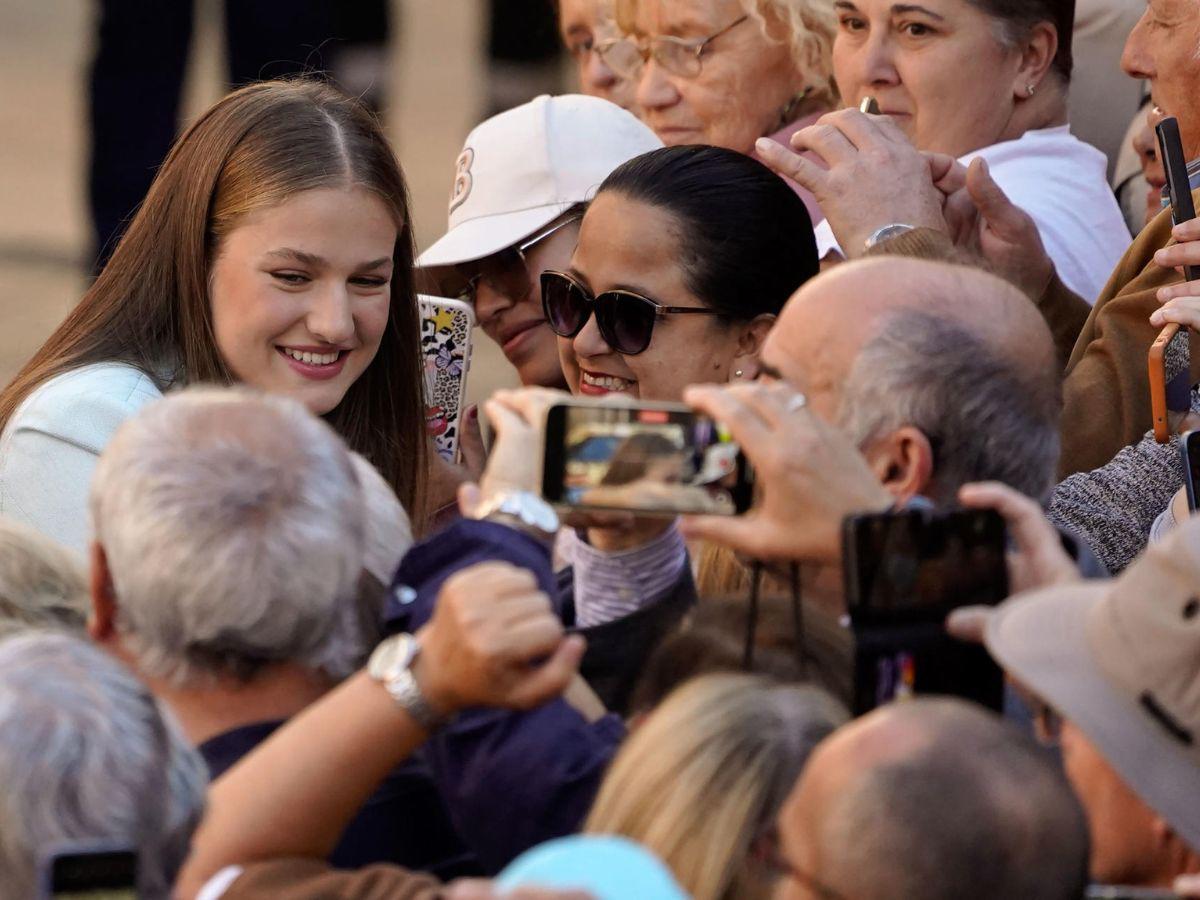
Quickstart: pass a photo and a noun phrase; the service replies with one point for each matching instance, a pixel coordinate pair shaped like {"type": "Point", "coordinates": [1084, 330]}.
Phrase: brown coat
{"type": "Point", "coordinates": [306, 879]}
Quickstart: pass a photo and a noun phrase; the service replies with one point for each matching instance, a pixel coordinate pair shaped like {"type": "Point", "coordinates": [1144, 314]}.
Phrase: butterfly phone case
{"type": "Point", "coordinates": [446, 350]}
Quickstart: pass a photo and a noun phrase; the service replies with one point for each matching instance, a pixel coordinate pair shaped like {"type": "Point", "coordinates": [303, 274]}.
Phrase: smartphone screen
{"type": "Point", "coordinates": [916, 566]}
{"type": "Point", "coordinates": [904, 573]}
{"type": "Point", "coordinates": [97, 875]}
{"type": "Point", "coordinates": [657, 459]}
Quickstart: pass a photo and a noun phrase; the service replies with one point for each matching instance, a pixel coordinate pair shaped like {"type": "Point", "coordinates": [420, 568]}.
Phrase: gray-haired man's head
{"type": "Point", "coordinates": [231, 528]}
{"type": "Point", "coordinates": [943, 374]}
{"type": "Point", "coordinates": [86, 757]}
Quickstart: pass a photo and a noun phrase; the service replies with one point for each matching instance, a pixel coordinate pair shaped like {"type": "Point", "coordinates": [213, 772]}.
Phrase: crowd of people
{"type": "Point", "coordinates": [256, 632]}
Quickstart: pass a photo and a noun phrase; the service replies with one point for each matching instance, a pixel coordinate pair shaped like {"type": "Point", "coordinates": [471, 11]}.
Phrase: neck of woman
{"type": "Point", "coordinates": [1047, 108]}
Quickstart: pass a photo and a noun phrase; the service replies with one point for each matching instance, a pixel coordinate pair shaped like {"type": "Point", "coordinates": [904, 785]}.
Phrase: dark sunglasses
{"type": "Point", "coordinates": [625, 319]}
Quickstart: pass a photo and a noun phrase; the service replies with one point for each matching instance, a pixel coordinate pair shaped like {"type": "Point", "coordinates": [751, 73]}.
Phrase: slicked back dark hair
{"type": "Point", "coordinates": [746, 240]}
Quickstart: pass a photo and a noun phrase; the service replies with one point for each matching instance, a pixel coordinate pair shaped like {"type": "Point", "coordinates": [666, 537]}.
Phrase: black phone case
{"type": "Point", "coordinates": [1183, 209]}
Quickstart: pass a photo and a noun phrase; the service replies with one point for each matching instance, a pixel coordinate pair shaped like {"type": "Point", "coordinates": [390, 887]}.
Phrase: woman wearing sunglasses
{"type": "Point", "coordinates": [684, 258]}
{"type": "Point", "coordinates": [726, 72]}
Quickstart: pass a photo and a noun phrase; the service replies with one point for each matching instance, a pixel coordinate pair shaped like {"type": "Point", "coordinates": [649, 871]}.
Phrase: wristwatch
{"type": "Point", "coordinates": [887, 232]}
{"type": "Point", "coordinates": [523, 510]}
{"type": "Point", "coordinates": [391, 665]}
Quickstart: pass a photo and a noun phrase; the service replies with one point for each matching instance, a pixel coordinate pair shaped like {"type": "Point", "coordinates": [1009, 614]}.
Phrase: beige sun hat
{"type": "Point", "coordinates": [1121, 660]}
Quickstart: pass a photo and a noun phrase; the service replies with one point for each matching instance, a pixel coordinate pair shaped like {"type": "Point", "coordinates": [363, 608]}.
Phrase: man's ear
{"type": "Point", "coordinates": [750, 343]}
{"type": "Point", "coordinates": [104, 599]}
{"type": "Point", "coordinates": [902, 461]}
{"type": "Point", "coordinates": [1037, 55]}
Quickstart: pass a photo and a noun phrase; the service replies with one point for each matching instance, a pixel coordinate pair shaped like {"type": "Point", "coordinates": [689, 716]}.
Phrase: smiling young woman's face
{"type": "Point", "coordinates": [301, 292]}
{"type": "Point", "coordinates": [629, 245]}
{"type": "Point", "coordinates": [935, 66]}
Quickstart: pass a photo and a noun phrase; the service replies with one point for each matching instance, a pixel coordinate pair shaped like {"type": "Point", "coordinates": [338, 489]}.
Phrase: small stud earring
{"type": "Point", "coordinates": [1029, 89]}
{"type": "Point", "coordinates": [737, 373]}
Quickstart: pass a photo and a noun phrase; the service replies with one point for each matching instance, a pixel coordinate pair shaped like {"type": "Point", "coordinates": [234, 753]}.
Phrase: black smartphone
{"type": "Point", "coordinates": [651, 458]}
{"type": "Point", "coordinates": [904, 572]}
{"type": "Point", "coordinates": [90, 872]}
{"type": "Point", "coordinates": [1189, 448]}
{"type": "Point", "coordinates": [1178, 187]}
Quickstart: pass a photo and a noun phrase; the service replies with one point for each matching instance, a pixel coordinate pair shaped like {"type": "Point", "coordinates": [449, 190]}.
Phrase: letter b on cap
{"type": "Point", "coordinates": [463, 181]}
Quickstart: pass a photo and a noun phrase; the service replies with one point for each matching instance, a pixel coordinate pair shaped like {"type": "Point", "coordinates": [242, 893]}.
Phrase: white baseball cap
{"type": "Point", "coordinates": [522, 169]}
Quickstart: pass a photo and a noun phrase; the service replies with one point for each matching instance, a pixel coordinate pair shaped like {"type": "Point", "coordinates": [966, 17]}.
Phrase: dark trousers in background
{"type": "Point", "coordinates": [523, 52]}
{"type": "Point", "coordinates": [137, 76]}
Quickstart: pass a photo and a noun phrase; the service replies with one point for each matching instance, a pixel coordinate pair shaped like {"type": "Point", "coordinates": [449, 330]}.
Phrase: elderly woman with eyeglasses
{"type": "Point", "coordinates": [727, 72]}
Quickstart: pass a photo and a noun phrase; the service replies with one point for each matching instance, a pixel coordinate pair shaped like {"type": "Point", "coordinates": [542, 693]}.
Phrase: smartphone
{"type": "Point", "coordinates": [446, 327]}
{"type": "Point", "coordinates": [652, 458]}
{"type": "Point", "coordinates": [91, 871]}
{"type": "Point", "coordinates": [903, 573]}
{"type": "Point", "coordinates": [1170, 354]}
{"type": "Point", "coordinates": [1170, 372]}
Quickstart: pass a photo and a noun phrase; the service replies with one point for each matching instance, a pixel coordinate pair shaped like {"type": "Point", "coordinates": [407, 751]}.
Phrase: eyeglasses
{"type": "Point", "coordinates": [625, 319]}
{"type": "Point", "coordinates": [506, 272]}
{"type": "Point", "coordinates": [679, 56]}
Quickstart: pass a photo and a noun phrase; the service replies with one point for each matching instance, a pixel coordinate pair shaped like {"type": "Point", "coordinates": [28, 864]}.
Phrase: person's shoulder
{"type": "Point", "coordinates": [1047, 148]}
{"type": "Point", "coordinates": [86, 404]}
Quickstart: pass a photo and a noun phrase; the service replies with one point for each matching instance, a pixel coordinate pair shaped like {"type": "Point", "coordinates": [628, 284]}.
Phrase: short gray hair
{"type": "Point", "coordinates": [87, 755]}
{"type": "Point", "coordinates": [359, 625]}
{"type": "Point", "coordinates": [986, 417]}
{"type": "Point", "coordinates": [41, 582]}
{"type": "Point", "coordinates": [233, 527]}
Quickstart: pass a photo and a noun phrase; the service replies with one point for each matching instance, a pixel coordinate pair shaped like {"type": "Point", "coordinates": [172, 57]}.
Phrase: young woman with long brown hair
{"type": "Point", "coordinates": [274, 249]}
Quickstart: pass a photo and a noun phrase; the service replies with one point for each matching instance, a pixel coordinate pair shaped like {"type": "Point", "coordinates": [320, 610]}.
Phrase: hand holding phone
{"type": "Point", "coordinates": [809, 475]}
{"type": "Point", "coordinates": [1170, 355]}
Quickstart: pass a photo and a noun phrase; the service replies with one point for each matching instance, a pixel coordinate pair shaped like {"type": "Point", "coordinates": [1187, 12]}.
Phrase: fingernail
{"type": "Point", "coordinates": [763, 145]}
{"type": "Point", "coordinates": [473, 412]}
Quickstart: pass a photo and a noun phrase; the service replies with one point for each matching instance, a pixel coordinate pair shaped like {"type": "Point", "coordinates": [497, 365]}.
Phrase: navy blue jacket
{"type": "Point", "coordinates": [514, 780]}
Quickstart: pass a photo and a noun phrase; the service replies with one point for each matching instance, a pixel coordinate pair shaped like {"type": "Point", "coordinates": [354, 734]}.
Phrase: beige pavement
{"type": "Point", "coordinates": [436, 89]}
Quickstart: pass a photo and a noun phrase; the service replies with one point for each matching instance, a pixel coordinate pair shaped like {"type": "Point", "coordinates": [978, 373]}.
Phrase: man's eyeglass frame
{"type": "Point", "coordinates": [467, 293]}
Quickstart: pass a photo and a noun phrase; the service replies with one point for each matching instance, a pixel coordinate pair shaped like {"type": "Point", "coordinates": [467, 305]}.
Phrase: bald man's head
{"type": "Point", "coordinates": [935, 799]}
{"type": "Point", "coordinates": [953, 353]}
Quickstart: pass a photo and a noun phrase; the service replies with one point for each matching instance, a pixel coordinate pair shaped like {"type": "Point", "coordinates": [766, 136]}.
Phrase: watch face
{"type": "Point", "coordinates": [393, 655]}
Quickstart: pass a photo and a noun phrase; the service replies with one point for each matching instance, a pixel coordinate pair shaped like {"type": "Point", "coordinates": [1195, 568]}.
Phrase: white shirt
{"type": "Point", "coordinates": [1061, 182]}
{"type": "Point", "coordinates": [50, 446]}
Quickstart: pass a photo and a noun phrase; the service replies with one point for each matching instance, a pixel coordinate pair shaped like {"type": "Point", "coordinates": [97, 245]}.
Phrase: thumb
{"type": "Point", "coordinates": [1001, 214]}
{"type": "Point", "coordinates": [469, 497]}
{"type": "Point", "coordinates": [474, 456]}
{"type": "Point", "coordinates": [968, 623]}
{"type": "Point", "coordinates": [550, 678]}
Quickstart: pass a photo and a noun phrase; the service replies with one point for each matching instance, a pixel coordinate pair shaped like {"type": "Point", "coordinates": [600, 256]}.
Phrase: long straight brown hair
{"type": "Point", "coordinates": [150, 307]}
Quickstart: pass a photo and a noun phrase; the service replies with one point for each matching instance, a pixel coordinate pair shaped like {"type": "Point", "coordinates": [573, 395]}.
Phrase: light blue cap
{"type": "Point", "coordinates": [607, 867]}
